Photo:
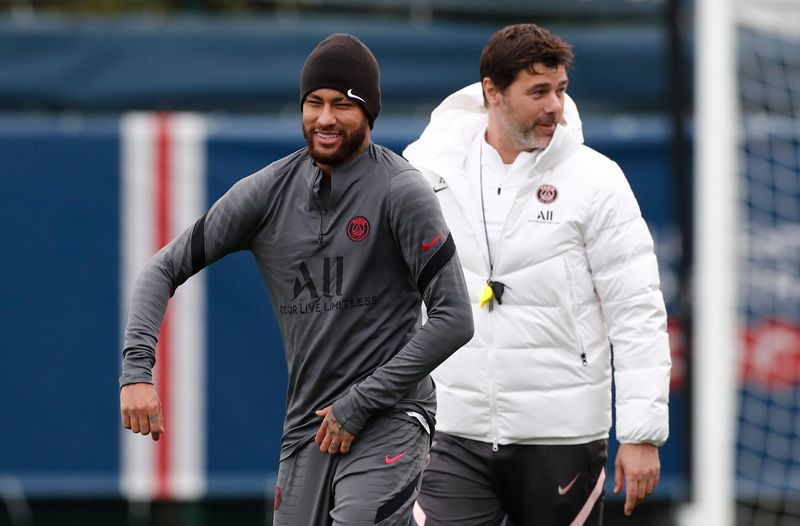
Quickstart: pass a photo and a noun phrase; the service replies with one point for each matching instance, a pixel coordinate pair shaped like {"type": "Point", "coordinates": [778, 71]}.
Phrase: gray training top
{"type": "Point", "coordinates": [346, 281]}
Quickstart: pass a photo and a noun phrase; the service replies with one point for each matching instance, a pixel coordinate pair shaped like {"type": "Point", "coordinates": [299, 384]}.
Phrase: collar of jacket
{"type": "Point", "coordinates": [341, 176]}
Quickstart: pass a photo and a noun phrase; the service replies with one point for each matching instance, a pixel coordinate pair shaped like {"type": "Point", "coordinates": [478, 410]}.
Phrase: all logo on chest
{"type": "Point", "coordinates": [546, 194]}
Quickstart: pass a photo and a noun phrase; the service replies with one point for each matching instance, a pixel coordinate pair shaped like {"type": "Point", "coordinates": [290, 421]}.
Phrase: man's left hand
{"type": "Point", "coordinates": [636, 467]}
{"type": "Point", "coordinates": [332, 439]}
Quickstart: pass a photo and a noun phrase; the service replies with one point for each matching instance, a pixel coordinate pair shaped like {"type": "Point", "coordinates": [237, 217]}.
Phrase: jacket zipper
{"type": "Point", "coordinates": [321, 214]}
{"type": "Point", "coordinates": [571, 288]}
{"type": "Point", "coordinates": [322, 211]}
{"type": "Point", "coordinates": [493, 399]}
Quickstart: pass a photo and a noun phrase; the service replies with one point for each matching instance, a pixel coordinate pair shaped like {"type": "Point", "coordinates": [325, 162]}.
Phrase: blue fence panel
{"type": "Point", "coordinates": [60, 302]}
{"type": "Point", "coordinates": [254, 64]}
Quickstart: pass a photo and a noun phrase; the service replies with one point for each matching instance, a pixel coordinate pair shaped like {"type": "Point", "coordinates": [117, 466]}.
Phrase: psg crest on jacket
{"type": "Point", "coordinates": [358, 228]}
{"type": "Point", "coordinates": [547, 193]}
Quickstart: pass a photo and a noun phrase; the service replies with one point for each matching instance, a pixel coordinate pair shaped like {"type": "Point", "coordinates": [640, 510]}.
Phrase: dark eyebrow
{"type": "Point", "coordinates": [546, 85]}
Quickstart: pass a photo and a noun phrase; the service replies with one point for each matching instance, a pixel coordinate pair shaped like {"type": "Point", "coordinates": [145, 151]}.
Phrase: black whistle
{"type": "Point", "coordinates": [498, 289]}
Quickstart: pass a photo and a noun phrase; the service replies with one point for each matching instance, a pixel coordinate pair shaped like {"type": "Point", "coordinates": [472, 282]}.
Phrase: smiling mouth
{"type": "Point", "coordinates": [327, 137]}
{"type": "Point", "coordinates": [548, 128]}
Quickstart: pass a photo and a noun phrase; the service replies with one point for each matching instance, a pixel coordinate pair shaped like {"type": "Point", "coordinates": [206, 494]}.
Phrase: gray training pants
{"type": "Point", "coordinates": [376, 482]}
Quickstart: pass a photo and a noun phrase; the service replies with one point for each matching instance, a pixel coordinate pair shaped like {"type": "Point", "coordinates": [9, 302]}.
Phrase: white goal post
{"type": "Point", "coordinates": [714, 344]}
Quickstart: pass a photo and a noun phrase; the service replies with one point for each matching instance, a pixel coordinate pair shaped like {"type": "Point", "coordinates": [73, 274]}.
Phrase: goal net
{"type": "Point", "coordinates": [767, 454]}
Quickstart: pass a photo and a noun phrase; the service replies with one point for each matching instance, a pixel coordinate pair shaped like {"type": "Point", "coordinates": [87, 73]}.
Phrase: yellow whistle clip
{"type": "Point", "coordinates": [487, 295]}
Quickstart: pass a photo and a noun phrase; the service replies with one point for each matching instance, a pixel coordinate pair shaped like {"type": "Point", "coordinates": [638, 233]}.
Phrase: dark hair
{"type": "Point", "coordinates": [518, 47]}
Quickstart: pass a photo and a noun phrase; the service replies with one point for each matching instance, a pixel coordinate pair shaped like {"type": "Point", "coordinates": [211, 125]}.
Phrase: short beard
{"type": "Point", "coordinates": [351, 143]}
{"type": "Point", "coordinates": [524, 137]}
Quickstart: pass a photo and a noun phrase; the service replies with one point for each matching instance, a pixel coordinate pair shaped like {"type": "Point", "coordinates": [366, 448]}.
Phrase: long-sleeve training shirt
{"type": "Point", "coordinates": [346, 280]}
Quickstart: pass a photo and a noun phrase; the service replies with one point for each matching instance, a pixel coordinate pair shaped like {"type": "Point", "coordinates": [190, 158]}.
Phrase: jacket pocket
{"type": "Point", "coordinates": [573, 311]}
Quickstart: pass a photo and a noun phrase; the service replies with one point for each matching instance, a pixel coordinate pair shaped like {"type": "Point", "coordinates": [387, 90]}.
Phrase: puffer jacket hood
{"type": "Point", "coordinates": [454, 123]}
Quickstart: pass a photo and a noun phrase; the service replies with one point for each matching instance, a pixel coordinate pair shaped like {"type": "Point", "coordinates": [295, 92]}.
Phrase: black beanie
{"type": "Point", "coordinates": [342, 62]}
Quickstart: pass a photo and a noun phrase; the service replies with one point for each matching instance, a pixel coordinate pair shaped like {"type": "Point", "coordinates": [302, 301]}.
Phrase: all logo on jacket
{"type": "Point", "coordinates": [547, 194]}
{"type": "Point", "coordinates": [317, 287]}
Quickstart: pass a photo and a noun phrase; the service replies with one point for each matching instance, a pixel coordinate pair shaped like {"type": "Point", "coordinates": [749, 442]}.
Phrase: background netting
{"type": "Point", "coordinates": [768, 438]}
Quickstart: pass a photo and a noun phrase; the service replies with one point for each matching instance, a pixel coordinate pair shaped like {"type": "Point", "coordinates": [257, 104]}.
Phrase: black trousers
{"type": "Point", "coordinates": [468, 484]}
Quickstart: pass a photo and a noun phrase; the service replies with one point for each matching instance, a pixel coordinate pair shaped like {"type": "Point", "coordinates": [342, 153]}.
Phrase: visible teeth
{"type": "Point", "coordinates": [328, 135]}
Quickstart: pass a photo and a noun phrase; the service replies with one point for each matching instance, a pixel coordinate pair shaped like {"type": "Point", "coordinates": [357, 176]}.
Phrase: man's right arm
{"type": "Point", "coordinates": [225, 228]}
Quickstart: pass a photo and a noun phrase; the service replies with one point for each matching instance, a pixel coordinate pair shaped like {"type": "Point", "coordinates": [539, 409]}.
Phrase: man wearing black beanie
{"type": "Point", "coordinates": [350, 241]}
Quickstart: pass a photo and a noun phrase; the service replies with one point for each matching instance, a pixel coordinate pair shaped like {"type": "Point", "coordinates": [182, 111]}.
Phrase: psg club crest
{"type": "Point", "coordinates": [547, 193]}
{"type": "Point", "coordinates": [358, 228]}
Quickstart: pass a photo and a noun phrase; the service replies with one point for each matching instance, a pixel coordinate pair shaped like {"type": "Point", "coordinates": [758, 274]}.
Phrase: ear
{"type": "Point", "coordinates": [490, 92]}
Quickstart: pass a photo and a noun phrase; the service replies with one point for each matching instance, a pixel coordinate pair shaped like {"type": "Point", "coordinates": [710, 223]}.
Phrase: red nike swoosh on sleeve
{"type": "Point", "coordinates": [427, 246]}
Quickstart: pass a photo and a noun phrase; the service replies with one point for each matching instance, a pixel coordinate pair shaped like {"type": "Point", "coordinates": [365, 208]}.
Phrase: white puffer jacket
{"type": "Point", "coordinates": [579, 271]}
